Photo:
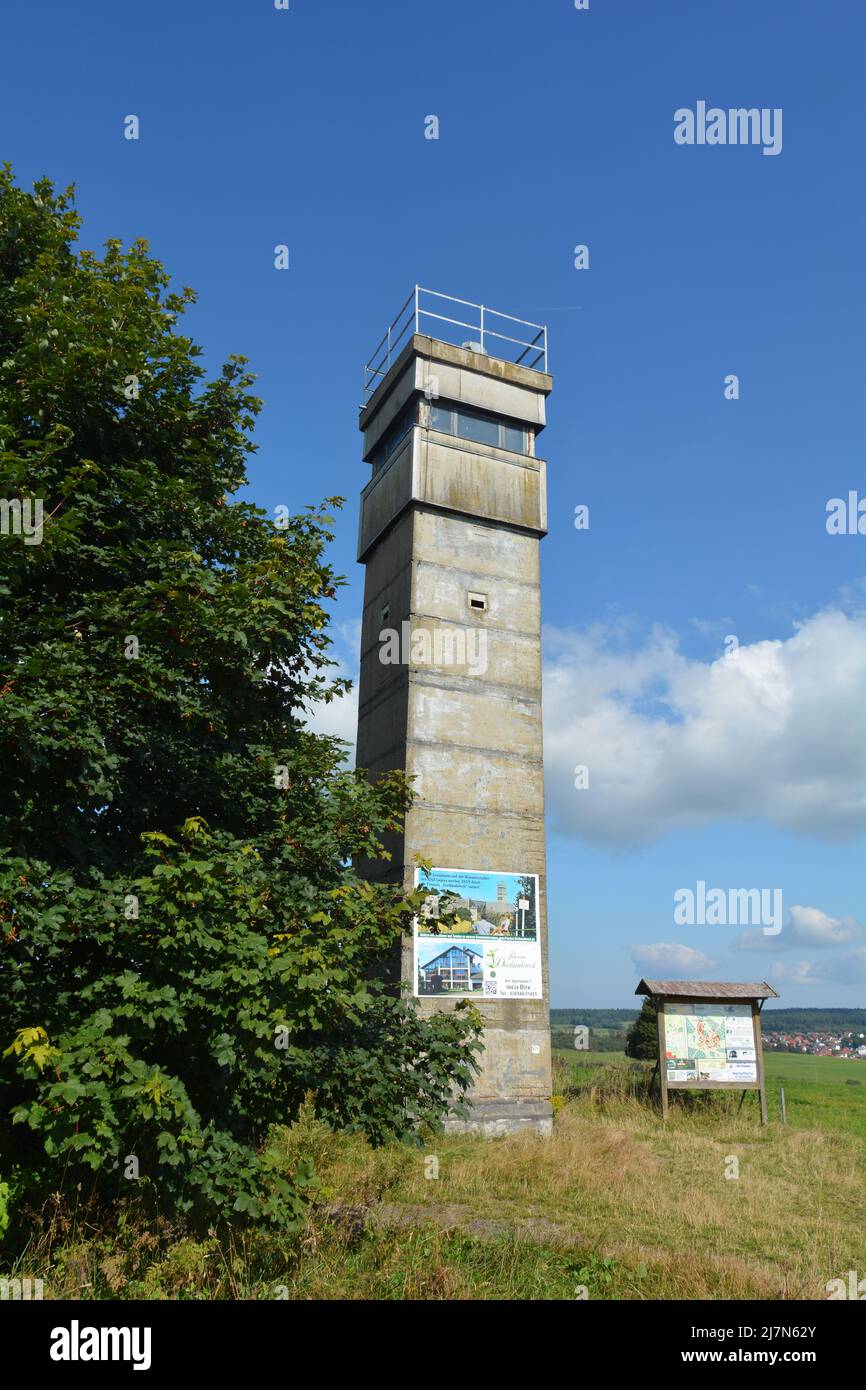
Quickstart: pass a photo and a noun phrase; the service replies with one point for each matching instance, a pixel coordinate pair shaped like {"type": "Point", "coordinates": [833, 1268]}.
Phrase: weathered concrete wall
{"type": "Point", "coordinates": [472, 480]}
{"type": "Point", "coordinates": [450, 521]}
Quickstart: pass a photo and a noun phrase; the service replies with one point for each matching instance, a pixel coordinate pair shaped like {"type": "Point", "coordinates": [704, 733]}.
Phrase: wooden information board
{"type": "Point", "coordinates": [709, 1040]}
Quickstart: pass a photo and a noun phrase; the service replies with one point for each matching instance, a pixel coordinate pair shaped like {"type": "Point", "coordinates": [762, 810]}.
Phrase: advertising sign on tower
{"type": "Point", "coordinates": [477, 935]}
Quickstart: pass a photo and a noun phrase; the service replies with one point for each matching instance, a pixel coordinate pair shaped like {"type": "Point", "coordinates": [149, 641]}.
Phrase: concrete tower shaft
{"type": "Point", "coordinates": [450, 690]}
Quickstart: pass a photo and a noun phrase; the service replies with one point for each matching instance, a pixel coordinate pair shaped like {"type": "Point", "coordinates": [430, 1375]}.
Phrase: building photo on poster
{"type": "Point", "coordinates": [709, 1043]}
{"type": "Point", "coordinates": [477, 934]}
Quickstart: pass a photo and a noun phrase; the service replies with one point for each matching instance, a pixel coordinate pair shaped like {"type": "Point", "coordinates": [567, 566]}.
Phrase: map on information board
{"type": "Point", "coordinates": [710, 1043]}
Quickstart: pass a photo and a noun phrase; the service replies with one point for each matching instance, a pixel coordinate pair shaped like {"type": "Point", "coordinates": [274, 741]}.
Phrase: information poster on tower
{"type": "Point", "coordinates": [709, 1044]}
{"type": "Point", "coordinates": [477, 934]}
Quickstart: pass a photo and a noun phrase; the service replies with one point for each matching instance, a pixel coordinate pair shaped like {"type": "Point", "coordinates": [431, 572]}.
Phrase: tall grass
{"type": "Point", "coordinates": [616, 1204]}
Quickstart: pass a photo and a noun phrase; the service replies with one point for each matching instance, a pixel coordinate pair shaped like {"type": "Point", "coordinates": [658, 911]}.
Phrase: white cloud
{"type": "Point", "coordinates": [847, 968]}
{"type": "Point", "coordinates": [806, 926]}
{"type": "Point", "coordinates": [667, 956]}
{"type": "Point", "coordinates": [776, 731]}
{"type": "Point", "coordinates": [340, 717]}
{"type": "Point", "coordinates": [813, 927]}
{"type": "Point", "coordinates": [799, 972]}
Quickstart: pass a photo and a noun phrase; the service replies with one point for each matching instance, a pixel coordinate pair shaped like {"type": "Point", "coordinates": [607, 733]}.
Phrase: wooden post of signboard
{"type": "Point", "coordinates": [656, 1072]}
{"type": "Point", "coordinates": [663, 1071]}
{"type": "Point", "coordinates": [759, 1055]}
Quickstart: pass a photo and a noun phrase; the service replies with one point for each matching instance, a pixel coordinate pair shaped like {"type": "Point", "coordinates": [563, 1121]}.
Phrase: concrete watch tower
{"type": "Point", "coordinates": [450, 526]}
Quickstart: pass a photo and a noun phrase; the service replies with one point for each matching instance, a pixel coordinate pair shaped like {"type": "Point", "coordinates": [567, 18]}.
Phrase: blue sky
{"type": "Point", "coordinates": [707, 516]}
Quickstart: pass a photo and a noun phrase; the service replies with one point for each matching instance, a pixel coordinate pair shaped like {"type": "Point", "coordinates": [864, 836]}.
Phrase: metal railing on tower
{"type": "Point", "coordinates": [486, 324]}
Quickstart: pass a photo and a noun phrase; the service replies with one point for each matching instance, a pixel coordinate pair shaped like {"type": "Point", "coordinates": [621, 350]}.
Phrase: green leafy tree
{"type": "Point", "coordinates": [526, 919]}
{"type": "Point", "coordinates": [185, 946]}
{"type": "Point", "coordinates": [642, 1041]}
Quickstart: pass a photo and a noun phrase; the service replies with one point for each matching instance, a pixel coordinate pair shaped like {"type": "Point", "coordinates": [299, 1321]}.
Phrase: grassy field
{"type": "Point", "coordinates": [818, 1093]}
{"type": "Point", "coordinates": [615, 1203]}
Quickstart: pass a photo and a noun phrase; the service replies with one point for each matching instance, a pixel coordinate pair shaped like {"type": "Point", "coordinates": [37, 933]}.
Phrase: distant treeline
{"type": "Point", "coordinates": [593, 1018]}
{"type": "Point", "coordinates": [813, 1020]}
{"type": "Point", "coordinates": [772, 1020]}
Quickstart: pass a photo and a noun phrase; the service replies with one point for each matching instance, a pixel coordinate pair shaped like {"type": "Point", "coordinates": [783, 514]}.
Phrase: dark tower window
{"type": "Point", "coordinates": [480, 427]}
{"type": "Point", "coordinates": [477, 426]}
{"type": "Point", "coordinates": [394, 435]}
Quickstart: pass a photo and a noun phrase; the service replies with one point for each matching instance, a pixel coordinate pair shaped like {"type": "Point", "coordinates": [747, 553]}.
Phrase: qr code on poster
{"type": "Point", "coordinates": [490, 987]}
